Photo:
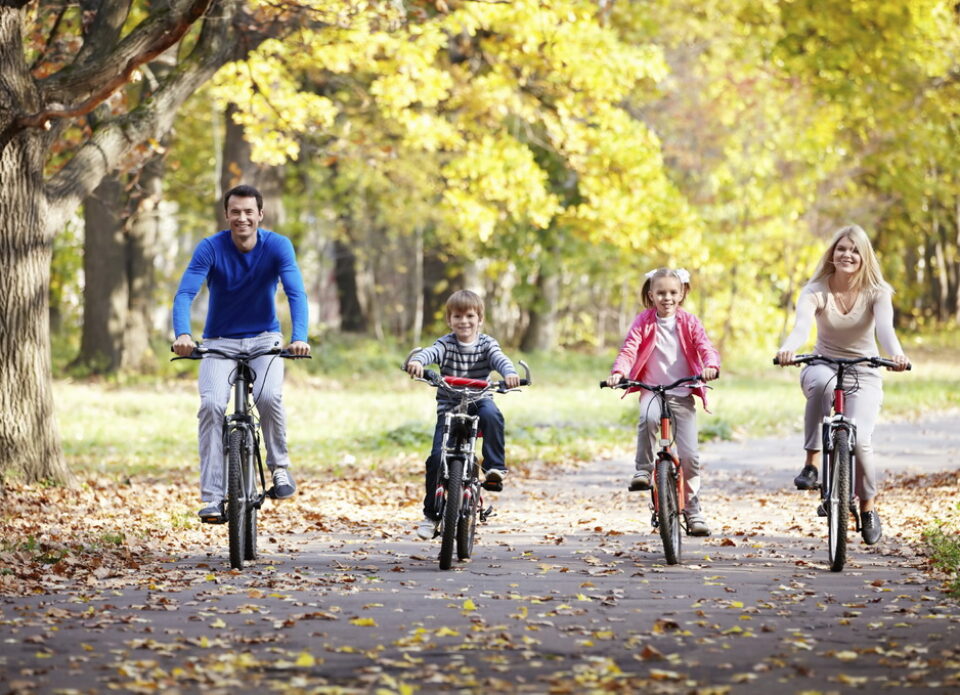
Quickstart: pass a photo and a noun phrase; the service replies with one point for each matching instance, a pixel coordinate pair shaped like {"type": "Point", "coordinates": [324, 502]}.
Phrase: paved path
{"type": "Point", "coordinates": [567, 593]}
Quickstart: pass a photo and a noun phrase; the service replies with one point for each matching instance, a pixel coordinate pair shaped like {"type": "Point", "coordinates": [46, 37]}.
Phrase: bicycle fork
{"type": "Point", "coordinates": [831, 424]}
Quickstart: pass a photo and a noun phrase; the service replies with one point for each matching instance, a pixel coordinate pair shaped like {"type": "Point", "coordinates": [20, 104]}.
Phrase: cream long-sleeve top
{"type": "Point", "coordinates": [850, 335]}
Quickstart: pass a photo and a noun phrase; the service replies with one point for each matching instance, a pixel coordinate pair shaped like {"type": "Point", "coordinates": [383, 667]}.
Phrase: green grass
{"type": "Point", "coordinates": [352, 408]}
{"type": "Point", "coordinates": [943, 548]}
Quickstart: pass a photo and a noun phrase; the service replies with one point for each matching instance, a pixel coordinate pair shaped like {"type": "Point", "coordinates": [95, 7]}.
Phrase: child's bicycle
{"type": "Point", "coordinates": [458, 499]}
{"type": "Point", "coordinates": [667, 489]}
{"type": "Point", "coordinates": [837, 497]}
{"type": "Point", "coordinates": [246, 484]}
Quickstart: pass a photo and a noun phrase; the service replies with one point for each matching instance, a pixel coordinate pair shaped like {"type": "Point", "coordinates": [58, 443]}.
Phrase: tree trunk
{"type": "Point", "coordinates": [105, 295]}
{"type": "Point", "coordinates": [345, 273]}
{"type": "Point", "coordinates": [29, 439]}
{"type": "Point", "coordinates": [416, 329]}
{"type": "Point", "coordinates": [541, 333]}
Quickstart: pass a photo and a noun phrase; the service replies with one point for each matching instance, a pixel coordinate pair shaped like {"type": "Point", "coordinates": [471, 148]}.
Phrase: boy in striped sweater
{"type": "Point", "coordinates": [466, 352]}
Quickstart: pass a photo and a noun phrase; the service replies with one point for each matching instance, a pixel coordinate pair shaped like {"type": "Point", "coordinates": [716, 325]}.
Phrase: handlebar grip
{"type": "Point", "coordinates": [776, 361]}
{"type": "Point", "coordinates": [603, 384]}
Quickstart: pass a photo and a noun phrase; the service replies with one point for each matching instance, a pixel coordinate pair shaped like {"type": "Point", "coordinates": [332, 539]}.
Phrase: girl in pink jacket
{"type": "Point", "coordinates": [666, 343]}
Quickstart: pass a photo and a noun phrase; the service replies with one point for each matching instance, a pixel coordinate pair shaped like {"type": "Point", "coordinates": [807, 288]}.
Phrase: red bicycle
{"type": "Point", "coordinates": [668, 489]}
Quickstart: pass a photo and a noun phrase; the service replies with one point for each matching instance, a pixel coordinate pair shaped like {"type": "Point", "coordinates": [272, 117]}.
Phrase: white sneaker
{"type": "Point", "coordinates": [427, 528]}
{"type": "Point", "coordinates": [697, 524]}
{"type": "Point", "coordinates": [283, 484]}
{"type": "Point", "coordinates": [495, 475]}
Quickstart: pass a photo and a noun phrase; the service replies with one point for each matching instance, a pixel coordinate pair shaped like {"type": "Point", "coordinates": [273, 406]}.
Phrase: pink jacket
{"type": "Point", "coordinates": [641, 339]}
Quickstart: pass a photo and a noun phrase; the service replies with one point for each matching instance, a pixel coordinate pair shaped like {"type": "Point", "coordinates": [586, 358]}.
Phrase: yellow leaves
{"type": "Point", "coordinates": [218, 624]}
{"type": "Point", "coordinates": [469, 605]}
{"type": "Point", "coordinates": [305, 660]}
{"type": "Point", "coordinates": [363, 622]}
{"type": "Point", "coordinates": [447, 632]}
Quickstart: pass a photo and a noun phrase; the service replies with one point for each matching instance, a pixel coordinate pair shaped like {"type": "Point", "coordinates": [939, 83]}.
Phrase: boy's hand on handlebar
{"type": "Point", "coordinates": [415, 370]}
{"type": "Point", "coordinates": [710, 373]}
{"type": "Point", "coordinates": [184, 345]}
{"type": "Point", "coordinates": [903, 363]}
{"type": "Point", "coordinates": [614, 379]}
{"type": "Point", "coordinates": [512, 381]}
{"type": "Point", "coordinates": [298, 347]}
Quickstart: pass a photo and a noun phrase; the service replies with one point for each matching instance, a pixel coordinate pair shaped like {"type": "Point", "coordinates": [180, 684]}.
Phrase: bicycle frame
{"type": "Point", "coordinates": [666, 454]}
{"type": "Point", "coordinates": [831, 425]}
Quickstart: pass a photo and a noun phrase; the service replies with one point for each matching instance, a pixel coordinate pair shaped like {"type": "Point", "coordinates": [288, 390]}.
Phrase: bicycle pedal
{"type": "Point", "coordinates": [492, 487]}
{"type": "Point", "coordinates": [486, 513]}
{"type": "Point", "coordinates": [821, 510]}
{"type": "Point", "coordinates": [214, 520]}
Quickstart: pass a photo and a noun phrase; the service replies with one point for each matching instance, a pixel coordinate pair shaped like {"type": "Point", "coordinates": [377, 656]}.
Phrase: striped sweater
{"type": "Point", "coordinates": [474, 361]}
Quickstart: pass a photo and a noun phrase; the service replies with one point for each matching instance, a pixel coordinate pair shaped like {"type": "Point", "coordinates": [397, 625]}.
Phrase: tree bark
{"type": "Point", "coordinates": [541, 333]}
{"type": "Point", "coordinates": [345, 273]}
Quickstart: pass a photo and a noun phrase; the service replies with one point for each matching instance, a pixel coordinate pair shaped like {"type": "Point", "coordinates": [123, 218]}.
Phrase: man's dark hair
{"type": "Point", "coordinates": [243, 191]}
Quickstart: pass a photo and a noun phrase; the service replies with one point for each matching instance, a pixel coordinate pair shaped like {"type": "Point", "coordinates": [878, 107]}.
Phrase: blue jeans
{"type": "Point", "coordinates": [491, 424]}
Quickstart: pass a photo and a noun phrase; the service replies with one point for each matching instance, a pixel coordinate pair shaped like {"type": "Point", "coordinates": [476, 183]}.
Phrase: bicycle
{"type": "Point", "coordinates": [839, 436]}
{"type": "Point", "coordinates": [668, 497]}
{"type": "Point", "coordinates": [241, 446]}
{"type": "Point", "coordinates": [458, 498]}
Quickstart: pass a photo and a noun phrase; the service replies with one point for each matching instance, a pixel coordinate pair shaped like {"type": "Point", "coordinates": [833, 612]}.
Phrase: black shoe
{"type": "Point", "coordinates": [639, 482]}
{"type": "Point", "coordinates": [213, 514]}
{"type": "Point", "coordinates": [870, 527]}
{"type": "Point", "coordinates": [807, 480]}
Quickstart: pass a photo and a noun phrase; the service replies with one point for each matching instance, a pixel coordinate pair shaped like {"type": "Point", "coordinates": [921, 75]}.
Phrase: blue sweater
{"type": "Point", "coordinates": [243, 287]}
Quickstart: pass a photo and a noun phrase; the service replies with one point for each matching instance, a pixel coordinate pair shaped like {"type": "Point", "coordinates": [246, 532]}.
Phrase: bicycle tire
{"type": "Point", "coordinates": [838, 503]}
{"type": "Point", "coordinates": [451, 512]}
{"type": "Point", "coordinates": [467, 531]}
{"type": "Point", "coordinates": [236, 507]}
{"type": "Point", "coordinates": [668, 513]}
{"type": "Point", "coordinates": [250, 485]}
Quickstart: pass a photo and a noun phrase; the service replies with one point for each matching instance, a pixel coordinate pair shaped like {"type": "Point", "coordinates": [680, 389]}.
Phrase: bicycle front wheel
{"type": "Point", "coordinates": [250, 485]}
{"type": "Point", "coordinates": [668, 513]}
{"type": "Point", "coordinates": [838, 503]}
{"type": "Point", "coordinates": [467, 531]}
{"type": "Point", "coordinates": [451, 512]}
{"type": "Point", "coordinates": [236, 498]}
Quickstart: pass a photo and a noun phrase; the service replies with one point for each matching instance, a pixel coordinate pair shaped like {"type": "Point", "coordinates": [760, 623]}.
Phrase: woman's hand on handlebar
{"type": "Point", "coordinates": [184, 345]}
{"type": "Point", "coordinates": [415, 369]}
{"type": "Point", "coordinates": [903, 363]}
{"type": "Point", "coordinates": [614, 379]}
{"type": "Point", "coordinates": [785, 358]}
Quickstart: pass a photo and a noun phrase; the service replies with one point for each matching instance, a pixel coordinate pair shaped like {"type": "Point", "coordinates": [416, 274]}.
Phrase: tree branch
{"type": "Point", "coordinates": [97, 81]}
{"type": "Point", "coordinates": [116, 138]}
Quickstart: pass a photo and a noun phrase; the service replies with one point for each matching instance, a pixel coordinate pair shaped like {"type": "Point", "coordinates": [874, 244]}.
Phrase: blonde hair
{"type": "Point", "coordinates": [464, 300]}
{"type": "Point", "coordinates": [869, 275]}
{"type": "Point", "coordinates": [664, 273]}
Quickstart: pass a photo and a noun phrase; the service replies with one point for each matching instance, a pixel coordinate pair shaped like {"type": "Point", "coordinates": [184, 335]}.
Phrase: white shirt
{"type": "Point", "coordinates": [667, 362]}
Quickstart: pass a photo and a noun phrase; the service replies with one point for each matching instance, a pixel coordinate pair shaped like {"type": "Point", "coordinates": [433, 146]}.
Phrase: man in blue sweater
{"type": "Point", "coordinates": [241, 267]}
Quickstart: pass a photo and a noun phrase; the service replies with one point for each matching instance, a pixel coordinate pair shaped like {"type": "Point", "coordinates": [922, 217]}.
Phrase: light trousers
{"type": "Point", "coordinates": [684, 430]}
{"type": "Point", "coordinates": [861, 404]}
{"type": "Point", "coordinates": [216, 387]}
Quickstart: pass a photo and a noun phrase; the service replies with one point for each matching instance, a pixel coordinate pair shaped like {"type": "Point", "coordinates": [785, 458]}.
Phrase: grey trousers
{"type": "Point", "coordinates": [215, 384]}
{"type": "Point", "coordinates": [863, 406]}
{"type": "Point", "coordinates": [686, 435]}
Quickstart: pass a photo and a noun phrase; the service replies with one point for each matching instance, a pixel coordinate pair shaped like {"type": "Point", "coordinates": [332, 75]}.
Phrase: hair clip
{"type": "Point", "coordinates": [649, 274]}
{"type": "Point", "coordinates": [684, 275]}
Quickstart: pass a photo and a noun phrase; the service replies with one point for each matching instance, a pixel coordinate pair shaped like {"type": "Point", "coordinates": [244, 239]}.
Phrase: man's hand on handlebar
{"type": "Point", "coordinates": [614, 379]}
{"type": "Point", "coordinates": [298, 347]}
{"type": "Point", "coordinates": [415, 369]}
{"type": "Point", "coordinates": [184, 345]}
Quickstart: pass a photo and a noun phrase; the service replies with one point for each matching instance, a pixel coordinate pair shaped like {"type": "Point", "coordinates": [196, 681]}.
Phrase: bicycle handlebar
{"type": "Point", "coordinates": [201, 350]}
{"type": "Point", "coordinates": [872, 361]}
{"type": "Point", "coordinates": [691, 382]}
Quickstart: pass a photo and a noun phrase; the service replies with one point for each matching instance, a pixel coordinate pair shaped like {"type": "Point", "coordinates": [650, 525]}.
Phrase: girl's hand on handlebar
{"type": "Point", "coordinates": [184, 345]}
{"type": "Point", "coordinates": [785, 358]}
{"type": "Point", "coordinates": [415, 370]}
{"type": "Point", "coordinates": [902, 363]}
{"type": "Point", "coordinates": [710, 373]}
{"type": "Point", "coordinates": [614, 379]}
{"type": "Point", "coordinates": [298, 347]}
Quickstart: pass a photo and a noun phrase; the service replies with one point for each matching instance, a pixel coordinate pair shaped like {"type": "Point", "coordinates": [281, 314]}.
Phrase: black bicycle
{"type": "Point", "coordinates": [839, 436]}
{"type": "Point", "coordinates": [458, 499]}
{"type": "Point", "coordinates": [243, 464]}
{"type": "Point", "coordinates": [667, 490]}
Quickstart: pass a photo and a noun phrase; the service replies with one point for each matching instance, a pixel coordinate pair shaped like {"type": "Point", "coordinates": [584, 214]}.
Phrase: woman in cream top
{"type": "Point", "coordinates": [851, 305]}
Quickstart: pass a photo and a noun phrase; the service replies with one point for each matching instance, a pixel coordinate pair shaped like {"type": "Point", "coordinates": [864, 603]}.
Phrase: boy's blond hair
{"type": "Point", "coordinates": [464, 300]}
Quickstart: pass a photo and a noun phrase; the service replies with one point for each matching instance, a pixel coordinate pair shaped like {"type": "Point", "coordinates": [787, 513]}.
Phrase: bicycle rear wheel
{"type": "Point", "coordinates": [668, 514]}
{"type": "Point", "coordinates": [236, 506]}
{"type": "Point", "coordinates": [838, 503]}
{"type": "Point", "coordinates": [451, 512]}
